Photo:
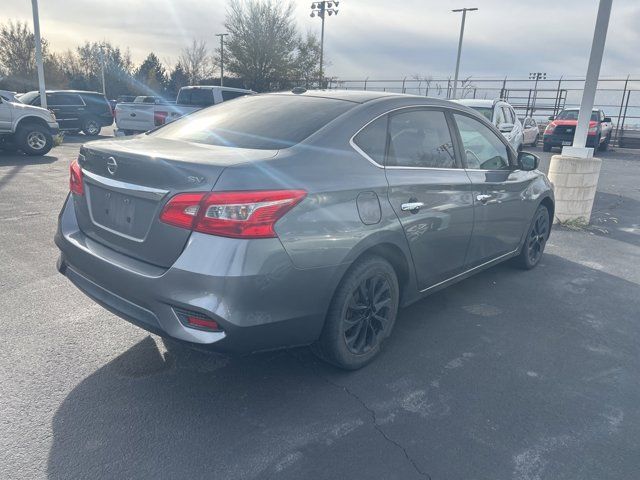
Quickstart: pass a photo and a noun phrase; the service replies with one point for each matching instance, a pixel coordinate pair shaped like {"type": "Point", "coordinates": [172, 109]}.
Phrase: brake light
{"type": "Point", "coordinates": [159, 118]}
{"type": "Point", "coordinates": [244, 214]}
{"type": "Point", "coordinates": [75, 178]}
{"type": "Point", "coordinates": [550, 128]}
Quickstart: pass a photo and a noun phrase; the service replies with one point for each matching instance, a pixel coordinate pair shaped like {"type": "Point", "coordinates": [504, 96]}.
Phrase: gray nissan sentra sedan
{"type": "Point", "coordinates": [298, 218]}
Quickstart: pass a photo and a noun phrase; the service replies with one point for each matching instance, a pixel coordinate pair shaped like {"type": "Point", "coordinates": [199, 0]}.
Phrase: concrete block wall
{"type": "Point", "coordinates": [575, 181]}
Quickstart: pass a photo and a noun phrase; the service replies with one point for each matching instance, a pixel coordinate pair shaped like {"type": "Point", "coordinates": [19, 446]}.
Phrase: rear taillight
{"type": "Point", "coordinates": [160, 118]}
{"type": "Point", "coordinates": [550, 128]}
{"type": "Point", "coordinates": [75, 178]}
{"type": "Point", "coordinates": [250, 214]}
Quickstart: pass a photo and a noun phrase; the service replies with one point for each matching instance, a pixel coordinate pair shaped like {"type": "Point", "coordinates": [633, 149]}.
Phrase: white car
{"type": "Point", "coordinates": [141, 116]}
{"type": "Point", "coordinates": [502, 115]}
{"type": "Point", "coordinates": [531, 131]}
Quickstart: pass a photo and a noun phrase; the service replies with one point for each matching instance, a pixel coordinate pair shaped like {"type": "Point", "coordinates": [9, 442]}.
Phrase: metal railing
{"type": "Point", "coordinates": [619, 97]}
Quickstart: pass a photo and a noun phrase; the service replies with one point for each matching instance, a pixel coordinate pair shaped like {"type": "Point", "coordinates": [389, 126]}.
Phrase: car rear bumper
{"type": "Point", "coordinates": [249, 287]}
{"type": "Point", "coordinates": [559, 140]}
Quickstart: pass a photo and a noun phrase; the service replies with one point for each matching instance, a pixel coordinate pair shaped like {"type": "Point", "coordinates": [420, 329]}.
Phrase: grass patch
{"type": "Point", "coordinates": [574, 223]}
{"type": "Point", "coordinates": [58, 139]}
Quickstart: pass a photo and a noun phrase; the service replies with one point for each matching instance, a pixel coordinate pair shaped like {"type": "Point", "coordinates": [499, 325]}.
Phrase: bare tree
{"type": "Point", "coordinates": [196, 61]}
{"type": "Point", "coordinates": [17, 60]}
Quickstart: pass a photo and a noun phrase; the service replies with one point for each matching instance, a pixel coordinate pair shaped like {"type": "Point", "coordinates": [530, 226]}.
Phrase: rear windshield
{"type": "Point", "coordinates": [29, 97]}
{"type": "Point", "coordinates": [265, 122]}
{"type": "Point", "coordinates": [486, 111]}
{"type": "Point", "coordinates": [200, 97]}
{"type": "Point", "coordinates": [573, 115]}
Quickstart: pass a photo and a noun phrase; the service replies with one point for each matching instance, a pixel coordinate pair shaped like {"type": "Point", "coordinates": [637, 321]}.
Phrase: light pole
{"type": "Point", "coordinates": [36, 34]}
{"type": "Point", "coordinates": [104, 85]}
{"type": "Point", "coordinates": [221, 35]}
{"type": "Point", "coordinates": [464, 17]}
{"type": "Point", "coordinates": [320, 9]}
{"type": "Point", "coordinates": [536, 76]}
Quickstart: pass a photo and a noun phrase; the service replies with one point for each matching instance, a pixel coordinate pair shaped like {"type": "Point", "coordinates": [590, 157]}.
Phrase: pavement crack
{"type": "Point", "coordinates": [370, 411]}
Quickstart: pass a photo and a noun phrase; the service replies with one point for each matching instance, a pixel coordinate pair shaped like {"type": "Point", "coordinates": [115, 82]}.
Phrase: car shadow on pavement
{"type": "Point", "coordinates": [524, 374]}
{"type": "Point", "coordinates": [12, 159]}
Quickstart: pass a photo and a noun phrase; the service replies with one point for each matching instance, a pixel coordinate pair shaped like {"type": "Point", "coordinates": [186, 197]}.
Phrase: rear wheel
{"type": "Point", "coordinates": [361, 316]}
{"type": "Point", "coordinates": [34, 139]}
{"type": "Point", "coordinates": [91, 127]}
{"type": "Point", "coordinates": [536, 239]}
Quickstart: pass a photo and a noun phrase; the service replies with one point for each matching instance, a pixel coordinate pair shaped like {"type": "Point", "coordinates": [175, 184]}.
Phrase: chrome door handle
{"type": "Point", "coordinates": [411, 206]}
{"type": "Point", "coordinates": [483, 198]}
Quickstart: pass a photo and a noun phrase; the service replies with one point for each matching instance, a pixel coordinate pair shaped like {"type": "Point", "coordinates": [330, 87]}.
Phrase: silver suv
{"type": "Point", "coordinates": [503, 116]}
{"type": "Point", "coordinates": [25, 127]}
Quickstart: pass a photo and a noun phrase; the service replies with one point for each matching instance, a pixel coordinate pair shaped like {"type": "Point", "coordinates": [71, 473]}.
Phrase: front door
{"type": "Point", "coordinates": [5, 116]}
{"type": "Point", "coordinates": [498, 191]}
{"type": "Point", "coordinates": [429, 191]}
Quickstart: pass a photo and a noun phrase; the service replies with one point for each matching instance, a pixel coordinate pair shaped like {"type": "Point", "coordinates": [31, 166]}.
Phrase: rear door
{"type": "Point", "coordinates": [498, 190]}
{"type": "Point", "coordinates": [429, 192]}
{"type": "Point", "coordinates": [68, 109]}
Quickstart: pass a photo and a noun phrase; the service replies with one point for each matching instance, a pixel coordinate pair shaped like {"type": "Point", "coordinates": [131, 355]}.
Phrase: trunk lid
{"type": "Point", "coordinates": [128, 181]}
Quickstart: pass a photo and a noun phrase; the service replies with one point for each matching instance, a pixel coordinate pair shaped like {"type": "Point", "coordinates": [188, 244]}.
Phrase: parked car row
{"type": "Point", "coordinates": [147, 113]}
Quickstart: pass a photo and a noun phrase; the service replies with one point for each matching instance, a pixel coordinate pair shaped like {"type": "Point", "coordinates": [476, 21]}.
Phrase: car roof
{"type": "Point", "coordinates": [68, 91]}
{"type": "Point", "coordinates": [571, 109]}
{"type": "Point", "coordinates": [356, 96]}
{"type": "Point", "coordinates": [476, 102]}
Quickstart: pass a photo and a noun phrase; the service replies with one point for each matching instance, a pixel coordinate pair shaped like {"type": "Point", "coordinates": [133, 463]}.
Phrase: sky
{"type": "Point", "coordinates": [383, 39]}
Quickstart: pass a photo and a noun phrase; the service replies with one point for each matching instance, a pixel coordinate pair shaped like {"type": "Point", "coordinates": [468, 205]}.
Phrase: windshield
{"type": "Point", "coordinates": [487, 112]}
{"type": "Point", "coordinates": [29, 97]}
{"type": "Point", "coordinates": [573, 115]}
{"type": "Point", "coordinates": [267, 122]}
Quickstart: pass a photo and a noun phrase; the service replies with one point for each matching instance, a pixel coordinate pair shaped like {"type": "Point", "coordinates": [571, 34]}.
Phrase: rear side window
{"type": "Point", "coordinates": [230, 95]}
{"type": "Point", "coordinates": [267, 122]}
{"type": "Point", "coordinates": [372, 139]}
{"type": "Point", "coordinates": [420, 138]}
{"type": "Point", "coordinates": [64, 99]}
{"type": "Point", "coordinates": [200, 97]}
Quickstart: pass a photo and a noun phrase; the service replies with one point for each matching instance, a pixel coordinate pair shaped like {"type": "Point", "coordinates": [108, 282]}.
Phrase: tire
{"type": "Point", "coordinates": [91, 127]}
{"type": "Point", "coordinates": [34, 139]}
{"type": "Point", "coordinates": [536, 239]}
{"type": "Point", "coordinates": [361, 315]}
{"type": "Point", "coordinates": [546, 147]}
{"type": "Point", "coordinates": [604, 146]}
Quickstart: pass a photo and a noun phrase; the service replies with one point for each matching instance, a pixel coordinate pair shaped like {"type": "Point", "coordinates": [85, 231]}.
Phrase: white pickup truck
{"type": "Point", "coordinates": [142, 116]}
{"type": "Point", "coordinates": [25, 127]}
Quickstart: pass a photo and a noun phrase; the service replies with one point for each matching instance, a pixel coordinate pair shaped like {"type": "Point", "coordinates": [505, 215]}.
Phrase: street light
{"type": "Point", "coordinates": [536, 76]}
{"type": "Point", "coordinates": [221, 35]}
{"type": "Point", "coordinates": [464, 17]}
{"type": "Point", "coordinates": [319, 9]}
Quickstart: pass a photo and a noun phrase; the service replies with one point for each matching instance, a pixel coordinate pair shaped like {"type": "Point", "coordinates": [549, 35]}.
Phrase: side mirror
{"type": "Point", "coordinates": [506, 127]}
{"type": "Point", "coordinates": [528, 161]}
{"type": "Point", "coordinates": [607, 120]}
{"type": "Point", "coordinates": [551, 117]}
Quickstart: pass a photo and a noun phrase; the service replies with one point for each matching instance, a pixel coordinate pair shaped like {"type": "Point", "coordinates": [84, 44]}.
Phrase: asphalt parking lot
{"type": "Point", "coordinates": [507, 375]}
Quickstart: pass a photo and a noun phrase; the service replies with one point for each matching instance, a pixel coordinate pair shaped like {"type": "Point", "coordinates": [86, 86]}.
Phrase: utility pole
{"type": "Point", "coordinates": [36, 34]}
{"type": "Point", "coordinates": [536, 76]}
{"type": "Point", "coordinates": [221, 35]}
{"type": "Point", "coordinates": [319, 9]}
{"type": "Point", "coordinates": [104, 86]}
{"type": "Point", "coordinates": [464, 17]}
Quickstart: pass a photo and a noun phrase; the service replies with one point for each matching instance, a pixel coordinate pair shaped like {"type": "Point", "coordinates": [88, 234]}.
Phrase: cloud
{"type": "Point", "coordinates": [372, 38]}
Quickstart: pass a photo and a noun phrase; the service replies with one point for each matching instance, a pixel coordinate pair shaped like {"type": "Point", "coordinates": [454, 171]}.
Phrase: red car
{"type": "Point", "coordinates": [561, 130]}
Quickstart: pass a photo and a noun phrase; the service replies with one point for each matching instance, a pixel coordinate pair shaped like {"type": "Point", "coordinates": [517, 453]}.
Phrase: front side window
{"type": "Point", "coordinates": [483, 149]}
{"type": "Point", "coordinates": [372, 139]}
{"type": "Point", "coordinates": [500, 118]}
{"type": "Point", "coordinates": [420, 138]}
